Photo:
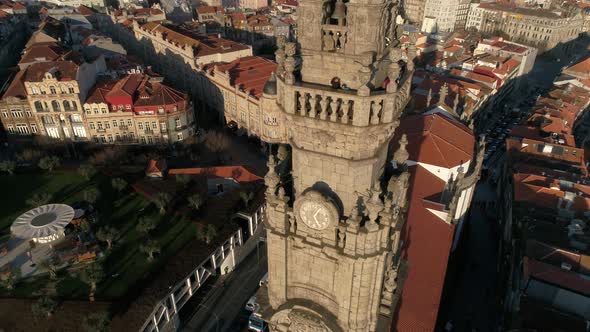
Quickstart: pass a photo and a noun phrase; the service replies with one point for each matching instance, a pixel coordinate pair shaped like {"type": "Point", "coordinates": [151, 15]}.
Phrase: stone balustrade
{"type": "Point", "coordinates": [341, 106]}
{"type": "Point", "coordinates": [334, 37]}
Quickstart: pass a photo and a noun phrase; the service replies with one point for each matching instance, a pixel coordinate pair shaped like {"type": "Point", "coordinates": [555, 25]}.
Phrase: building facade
{"type": "Point", "coordinates": [413, 11]}
{"type": "Point", "coordinates": [540, 28]}
{"type": "Point", "coordinates": [445, 16]}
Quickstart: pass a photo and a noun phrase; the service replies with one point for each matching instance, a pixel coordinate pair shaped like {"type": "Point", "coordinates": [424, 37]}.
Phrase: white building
{"type": "Point", "coordinates": [445, 16]}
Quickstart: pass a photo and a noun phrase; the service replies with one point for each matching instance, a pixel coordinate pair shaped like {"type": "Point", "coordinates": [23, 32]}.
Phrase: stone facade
{"type": "Point", "coordinates": [540, 28]}
{"type": "Point", "coordinates": [413, 11]}
{"type": "Point", "coordinates": [333, 220]}
{"type": "Point", "coordinates": [445, 16]}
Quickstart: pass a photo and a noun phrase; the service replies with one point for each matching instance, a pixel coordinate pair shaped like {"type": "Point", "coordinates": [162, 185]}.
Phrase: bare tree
{"type": "Point", "coordinates": [196, 200]}
{"type": "Point", "coordinates": [8, 166]}
{"type": "Point", "coordinates": [86, 171]}
{"type": "Point", "coordinates": [119, 184]}
{"type": "Point", "coordinates": [108, 234]}
{"type": "Point", "coordinates": [150, 247]}
{"type": "Point", "coordinates": [49, 163]}
{"type": "Point", "coordinates": [91, 195]}
{"type": "Point", "coordinates": [43, 307]}
{"type": "Point", "coordinates": [38, 199]}
{"type": "Point", "coordinates": [92, 275]}
{"type": "Point", "coordinates": [162, 199]}
{"type": "Point", "coordinates": [145, 225]}
{"type": "Point", "coordinates": [96, 322]}
{"type": "Point", "coordinates": [206, 234]}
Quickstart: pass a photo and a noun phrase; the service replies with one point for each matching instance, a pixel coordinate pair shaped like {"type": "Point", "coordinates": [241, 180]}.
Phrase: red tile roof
{"type": "Point", "coordinates": [437, 139]}
{"type": "Point", "coordinates": [238, 173]}
{"type": "Point", "coordinates": [99, 91]}
{"type": "Point", "coordinates": [49, 51]}
{"type": "Point", "coordinates": [249, 74]}
{"type": "Point", "coordinates": [549, 193]}
{"type": "Point", "coordinates": [64, 70]}
{"type": "Point", "coordinates": [126, 86]}
{"type": "Point", "coordinates": [210, 10]}
{"type": "Point", "coordinates": [16, 88]}
{"type": "Point", "coordinates": [556, 276]}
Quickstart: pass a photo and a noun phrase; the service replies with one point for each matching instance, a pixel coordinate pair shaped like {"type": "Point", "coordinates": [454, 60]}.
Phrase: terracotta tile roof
{"type": "Point", "coordinates": [202, 45]}
{"type": "Point", "coordinates": [210, 10]}
{"type": "Point", "coordinates": [86, 11]}
{"type": "Point", "coordinates": [238, 173]}
{"type": "Point", "coordinates": [4, 14]}
{"type": "Point", "coordinates": [437, 140]}
{"type": "Point", "coordinates": [550, 193]}
{"type": "Point", "coordinates": [16, 88]}
{"type": "Point", "coordinates": [556, 276]}
{"type": "Point", "coordinates": [99, 91]}
{"type": "Point", "coordinates": [427, 242]}
{"type": "Point", "coordinates": [533, 150]}
{"type": "Point", "coordinates": [155, 93]}
{"type": "Point", "coordinates": [65, 70]}
{"type": "Point", "coordinates": [249, 74]}
{"type": "Point", "coordinates": [581, 67]}
{"type": "Point", "coordinates": [453, 49]}
{"type": "Point", "coordinates": [49, 51]}
{"type": "Point", "coordinates": [551, 252]}
{"type": "Point", "coordinates": [126, 86]}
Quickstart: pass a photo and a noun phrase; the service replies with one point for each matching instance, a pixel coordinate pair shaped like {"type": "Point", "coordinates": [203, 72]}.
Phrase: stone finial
{"type": "Point", "coordinates": [374, 205]}
{"type": "Point", "coordinates": [456, 103]}
{"type": "Point", "coordinates": [281, 41]}
{"type": "Point", "coordinates": [401, 155]}
{"type": "Point", "coordinates": [443, 92]}
{"type": "Point", "coordinates": [271, 178]}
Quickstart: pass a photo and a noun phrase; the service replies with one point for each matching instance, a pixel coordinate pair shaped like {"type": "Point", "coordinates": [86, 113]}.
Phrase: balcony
{"type": "Point", "coordinates": [148, 131]}
{"type": "Point", "coordinates": [101, 130]}
{"type": "Point", "coordinates": [123, 127]}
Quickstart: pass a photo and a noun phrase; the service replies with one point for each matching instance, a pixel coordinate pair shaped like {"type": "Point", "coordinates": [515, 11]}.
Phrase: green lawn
{"type": "Point", "coordinates": [125, 266]}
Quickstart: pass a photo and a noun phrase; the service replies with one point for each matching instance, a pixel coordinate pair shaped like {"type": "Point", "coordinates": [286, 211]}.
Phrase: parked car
{"type": "Point", "coordinates": [252, 305]}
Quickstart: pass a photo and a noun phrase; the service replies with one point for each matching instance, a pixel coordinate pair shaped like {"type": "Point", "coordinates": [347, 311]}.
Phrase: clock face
{"type": "Point", "coordinates": [314, 215]}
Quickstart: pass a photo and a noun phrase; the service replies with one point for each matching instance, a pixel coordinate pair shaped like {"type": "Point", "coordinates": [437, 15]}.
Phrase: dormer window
{"type": "Point", "coordinates": [71, 89]}
{"type": "Point", "coordinates": [49, 75]}
{"type": "Point", "coordinates": [52, 90]}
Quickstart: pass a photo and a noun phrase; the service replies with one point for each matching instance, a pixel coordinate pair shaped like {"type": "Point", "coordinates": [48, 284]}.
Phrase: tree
{"type": "Point", "coordinates": [43, 307]}
{"type": "Point", "coordinates": [217, 142]}
{"type": "Point", "coordinates": [38, 199]}
{"type": "Point", "coordinates": [11, 280]}
{"type": "Point", "coordinates": [150, 247]}
{"type": "Point", "coordinates": [85, 226]}
{"type": "Point", "coordinates": [49, 163]}
{"type": "Point", "coordinates": [206, 234]}
{"type": "Point", "coordinates": [162, 199]}
{"type": "Point", "coordinates": [183, 179]}
{"type": "Point", "coordinates": [246, 197]}
{"type": "Point", "coordinates": [196, 200]}
{"type": "Point", "coordinates": [119, 184]}
{"type": "Point", "coordinates": [145, 225]}
{"type": "Point", "coordinates": [91, 195]}
{"type": "Point", "coordinates": [96, 322]}
{"type": "Point", "coordinates": [107, 234]}
{"type": "Point", "coordinates": [92, 275]}
{"type": "Point", "coordinates": [51, 266]}
{"type": "Point", "coordinates": [86, 171]}
{"type": "Point", "coordinates": [8, 166]}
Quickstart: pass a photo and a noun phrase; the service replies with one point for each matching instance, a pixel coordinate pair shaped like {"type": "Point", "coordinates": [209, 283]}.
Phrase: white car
{"type": "Point", "coordinates": [252, 305]}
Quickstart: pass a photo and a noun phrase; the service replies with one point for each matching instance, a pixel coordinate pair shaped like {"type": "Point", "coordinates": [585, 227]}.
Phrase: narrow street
{"type": "Point", "coordinates": [224, 305]}
{"type": "Point", "coordinates": [473, 304]}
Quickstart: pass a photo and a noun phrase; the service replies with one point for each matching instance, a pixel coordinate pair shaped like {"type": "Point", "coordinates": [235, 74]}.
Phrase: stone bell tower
{"type": "Point", "coordinates": [333, 220]}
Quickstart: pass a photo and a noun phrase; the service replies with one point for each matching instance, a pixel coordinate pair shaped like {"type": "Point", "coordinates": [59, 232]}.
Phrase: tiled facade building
{"type": "Point", "coordinates": [541, 28]}
{"type": "Point", "coordinates": [138, 109]}
{"type": "Point", "coordinates": [544, 194]}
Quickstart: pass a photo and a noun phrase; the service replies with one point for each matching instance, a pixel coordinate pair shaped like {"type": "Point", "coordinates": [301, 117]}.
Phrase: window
{"type": "Point", "coordinates": [74, 106]}
{"type": "Point", "coordinates": [39, 107]}
{"type": "Point", "coordinates": [52, 90]}
{"type": "Point", "coordinates": [67, 106]}
{"type": "Point", "coordinates": [29, 114]}
{"type": "Point", "coordinates": [95, 110]}
{"type": "Point", "coordinates": [35, 90]}
{"type": "Point", "coordinates": [33, 128]}
{"type": "Point", "coordinates": [117, 137]}
{"type": "Point", "coordinates": [103, 139]}
{"type": "Point", "coordinates": [142, 139]}
{"type": "Point", "coordinates": [76, 118]}
{"type": "Point", "coordinates": [120, 107]}
{"type": "Point", "coordinates": [4, 114]}
{"type": "Point", "coordinates": [128, 107]}
{"type": "Point", "coordinates": [43, 91]}
{"type": "Point", "coordinates": [91, 125]}
{"type": "Point", "coordinates": [150, 140]}
{"type": "Point", "coordinates": [17, 114]}
{"type": "Point", "coordinates": [22, 129]}
{"type": "Point", "coordinates": [63, 89]}
{"type": "Point", "coordinates": [177, 122]}
{"type": "Point", "coordinates": [114, 108]}
{"type": "Point", "coordinates": [107, 125]}
{"type": "Point", "coordinates": [154, 125]}
{"type": "Point", "coordinates": [140, 125]}
{"type": "Point", "coordinates": [55, 106]}
{"type": "Point", "coordinates": [179, 136]}
{"type": "Point", "coordinates": [103, 110]}
{"type": "Point", "coordinates": [131, 136]}
{"type": "Point", "coordinates": [122, 123]}
{"type": "Point", "coordinates": [129, 123]}
{"type": "Point", "coordinates": [95, 139]}
{"type": "Point", "coordinates": [115, 123]}
{"type": "Point", "coordinates": [88, 110]}
{"type": "Point", "coordinates": [10, 129]}
{"type": "Point", "coordinates": [160, 110]}
{"type": "Point", "coordinates": [99, 125]}
{"type": "Point", "coordinates": [163, 125]}
{"type": "Point", "coordinates": [110, 138]}
{"type": "Point", "coordinates": [71, 89]}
